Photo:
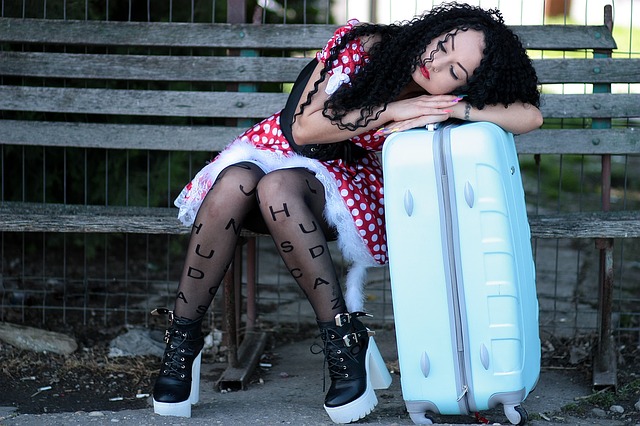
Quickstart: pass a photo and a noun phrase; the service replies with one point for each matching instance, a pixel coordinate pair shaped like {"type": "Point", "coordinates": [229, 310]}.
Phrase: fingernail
{"type": "Point", "coordinates": [458, 99]}
{"type": "Point", "coordinates": [462, 96]}
{"type": "Point", "coordinates": [448, 111]}
{"type": "Point", "coordinates": [380, 131]}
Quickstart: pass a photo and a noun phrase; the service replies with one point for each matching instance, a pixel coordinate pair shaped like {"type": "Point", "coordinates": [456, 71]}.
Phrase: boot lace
{"type": "Point", "coordinates": [336, 355]}
{"type": "Point", "coordinates": [175, 358]}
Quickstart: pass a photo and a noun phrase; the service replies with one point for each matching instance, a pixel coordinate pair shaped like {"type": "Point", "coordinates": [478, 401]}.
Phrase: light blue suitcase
{"type": "Point", "coordinates": [462, 272]}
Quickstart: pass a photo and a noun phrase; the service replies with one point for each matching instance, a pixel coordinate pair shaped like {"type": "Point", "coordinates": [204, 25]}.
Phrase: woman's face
{"type": "Point", "coordinates": [449, 61]}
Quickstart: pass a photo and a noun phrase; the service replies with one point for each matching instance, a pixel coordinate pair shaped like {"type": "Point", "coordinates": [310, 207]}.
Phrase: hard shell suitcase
{"type": "Point", "coordinates": [461, 269]}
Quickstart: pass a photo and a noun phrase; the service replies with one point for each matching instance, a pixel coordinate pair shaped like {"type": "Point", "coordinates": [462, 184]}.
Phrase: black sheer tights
{"type": "Point", "coordinates": [288, 204]}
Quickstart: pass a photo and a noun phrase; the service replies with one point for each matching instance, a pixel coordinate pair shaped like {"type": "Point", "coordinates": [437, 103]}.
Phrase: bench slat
{"type": "Point", "coordinates": [596, 105]}
{"type": "Point", "coordinates": [151, 68]}
{"type": "Point", "coordinates": [580, 141]}
{"type": "Point", "coordinates": [602, 70]}
{"type": "Point", "coordinates": [622, 224]}
{"type": "Point", "coordinates": [248, 104]}
{"type": "Point", "coordinates": [117, 136]}
{"type": "Point", "coordinates": [140, 102]}
{"type": "Point", "coordinates": [36, 217]}
{"type": "Point", "coordinates": [32, 217]}
{"type": "Point", "coordinates": [210, 139]}
{"type": "Point", "coordinates": [248, 36]}
{"type": "Point", "coordinates": [259, 69]}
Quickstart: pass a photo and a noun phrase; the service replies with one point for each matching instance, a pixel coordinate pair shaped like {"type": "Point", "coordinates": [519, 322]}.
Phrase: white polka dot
{"type": "Point", "coordinates": [355, 212]}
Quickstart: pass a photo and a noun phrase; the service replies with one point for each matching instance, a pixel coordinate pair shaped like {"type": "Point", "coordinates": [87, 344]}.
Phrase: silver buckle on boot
{"type": "Point", "coordinates": [350, 339]}
{"type": "Point", "coordinates": [164, 311]}
{"type": "Point", "coordinates": [345, 318]}
{"type": "Point", "coordinates": [342, 319]}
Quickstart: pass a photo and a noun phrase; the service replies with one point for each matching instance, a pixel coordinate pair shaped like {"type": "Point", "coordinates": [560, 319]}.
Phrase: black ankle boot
{"type": "Point", "coordinates": [178, 384]}
{"type": "Point", "coordinates": [356, 368]}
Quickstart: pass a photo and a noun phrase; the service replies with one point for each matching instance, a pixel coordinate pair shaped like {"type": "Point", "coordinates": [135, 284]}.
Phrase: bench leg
{"type": "Point", "coordinates": [605, 366]}
{"type": "Point", "coordinates": [244, 357]}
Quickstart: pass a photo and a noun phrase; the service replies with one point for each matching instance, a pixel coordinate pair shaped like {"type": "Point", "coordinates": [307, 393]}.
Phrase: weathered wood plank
{"type": "Point", "coordinates": [151, 67]}
{"type": "Point", "coordinates": [602, 70]}
{"type": "Point", "coordinates": [36, 217]}
{"type": "Point", "coordinates": [117, 136]}
{"type": "Point", "coordinates": [165, 34]}
{"type": "Point", "coordinates": [580, 141]}
{"type": "Point", "coordinates": [248, 36]}
{"type": "Point", "coordinates": [260, 69]}
{"type": "Point", "coordinates": [140, 102]}
{"type": "Point", "coordinates": [211, 139]}
{"type": "Point", "coordinates": [599, 105]}
{"type": "Point", "coordinates": [250, 105]}
{"type": "Point", "coordinates": [565, 37]}
{"type": "Point", "coordinates": [32, 217]}
{"type": "Point", "coordinates": [623, 224]}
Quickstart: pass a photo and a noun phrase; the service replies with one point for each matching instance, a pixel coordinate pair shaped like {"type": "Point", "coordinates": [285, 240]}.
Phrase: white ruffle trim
{"type": "Point", "coordinates": [337, 79]}
{"type": "Point", "coordinates": [337, 214]}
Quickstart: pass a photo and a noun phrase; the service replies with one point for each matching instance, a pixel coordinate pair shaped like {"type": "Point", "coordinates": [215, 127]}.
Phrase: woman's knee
{"type": "Point", "coordinates": [240, 175]}
{"type": "Point", "coordinates": [283, 184]}
{"type": "Point", "coordinates": [234, 183]}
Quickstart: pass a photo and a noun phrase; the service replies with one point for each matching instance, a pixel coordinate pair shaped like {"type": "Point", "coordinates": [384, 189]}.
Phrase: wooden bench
{"type": "Point", "coordinates": [95, 69]}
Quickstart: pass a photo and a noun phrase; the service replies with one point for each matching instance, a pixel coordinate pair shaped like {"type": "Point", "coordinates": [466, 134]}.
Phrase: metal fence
{"type": "Point", "coordinates": [52, 279]}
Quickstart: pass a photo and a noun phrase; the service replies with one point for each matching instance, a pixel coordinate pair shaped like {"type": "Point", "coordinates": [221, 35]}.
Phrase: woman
{"type": "Point", "coordinates": [310, 174]}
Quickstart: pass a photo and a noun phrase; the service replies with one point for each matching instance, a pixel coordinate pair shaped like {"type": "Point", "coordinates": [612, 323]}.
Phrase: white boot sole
{"type": "Point", "coordinates": [183, 408]}
{"type": "Point", "coordinates": [378, 377]}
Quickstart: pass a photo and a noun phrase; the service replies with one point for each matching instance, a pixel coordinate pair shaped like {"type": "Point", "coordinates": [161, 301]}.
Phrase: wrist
{"type": "Point", "coordinates": [467, 111]}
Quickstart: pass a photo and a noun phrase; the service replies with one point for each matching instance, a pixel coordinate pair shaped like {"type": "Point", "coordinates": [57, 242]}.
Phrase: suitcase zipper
{"type": "Point", "coordinates": [441, 135]}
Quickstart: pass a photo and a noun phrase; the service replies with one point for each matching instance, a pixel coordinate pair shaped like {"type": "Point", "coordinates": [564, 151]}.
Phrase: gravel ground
{"type": "Point", "coordinates": [289, 392]}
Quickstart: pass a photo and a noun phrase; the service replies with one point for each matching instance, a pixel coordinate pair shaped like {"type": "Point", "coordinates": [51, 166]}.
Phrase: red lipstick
{"type": "Point", "coordinates": [425, 72]}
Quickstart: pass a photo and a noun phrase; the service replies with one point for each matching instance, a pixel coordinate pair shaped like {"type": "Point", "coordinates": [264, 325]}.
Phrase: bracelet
{"type": "Point", "coordinates": [467, 110]}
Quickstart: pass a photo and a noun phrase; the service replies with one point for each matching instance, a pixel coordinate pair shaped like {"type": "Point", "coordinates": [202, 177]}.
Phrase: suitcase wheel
{"type": "Point", "coordinates": [421, 418]}
{"type": "Point", "coordinates": [516, 414]}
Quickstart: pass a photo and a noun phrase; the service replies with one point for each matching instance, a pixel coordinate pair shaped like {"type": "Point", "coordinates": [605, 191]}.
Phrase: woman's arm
{"type": "Point", "coordinates": [311, 127]}
{"type": "Point", "coordinates": [517, 118]}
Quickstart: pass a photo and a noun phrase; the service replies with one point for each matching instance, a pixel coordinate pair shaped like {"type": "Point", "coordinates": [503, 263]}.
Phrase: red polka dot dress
{"type": "Point", "coordinates": [354, 191]}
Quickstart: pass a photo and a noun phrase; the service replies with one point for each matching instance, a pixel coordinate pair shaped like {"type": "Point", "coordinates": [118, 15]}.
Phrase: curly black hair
{"type": "Point", "coordinates": [505, 74]}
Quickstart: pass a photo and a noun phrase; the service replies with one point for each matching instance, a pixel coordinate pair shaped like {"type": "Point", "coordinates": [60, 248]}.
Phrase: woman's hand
{"type": "Point", "coordinates": [419, 111]}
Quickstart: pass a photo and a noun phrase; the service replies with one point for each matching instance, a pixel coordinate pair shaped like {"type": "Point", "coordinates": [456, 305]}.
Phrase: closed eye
{"type": "Point", "coordinates": [453, 73]}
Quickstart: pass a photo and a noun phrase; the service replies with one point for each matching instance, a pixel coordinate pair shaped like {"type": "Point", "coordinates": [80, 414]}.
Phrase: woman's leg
{"type": "Point", "coordinates": [214, 236]}
{"type": "Point", "coordinates": [230, 203]}
{"type": "Point", "coordinates": [292, 203]}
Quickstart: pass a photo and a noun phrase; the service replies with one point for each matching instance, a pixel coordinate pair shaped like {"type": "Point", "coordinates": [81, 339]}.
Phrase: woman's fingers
{"type": "Point", "coordinates": [399, 126]}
